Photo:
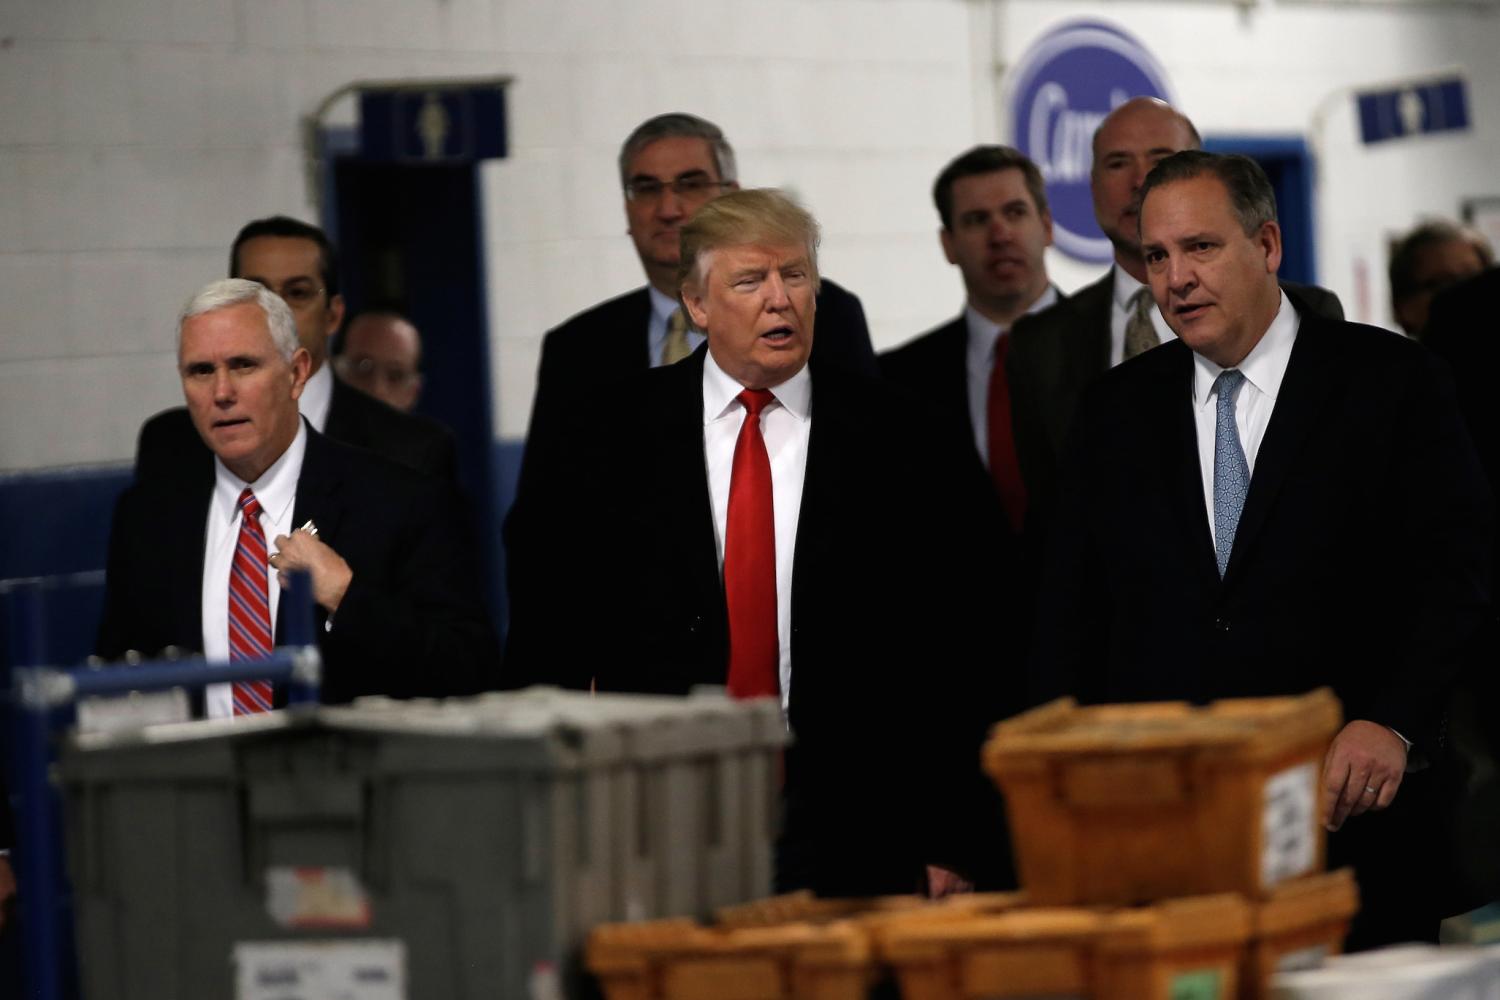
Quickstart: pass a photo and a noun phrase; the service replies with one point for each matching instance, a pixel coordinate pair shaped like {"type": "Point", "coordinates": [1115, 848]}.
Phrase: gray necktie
{"type": "Point", "coordinates": [675, 347]}
{"type": "Point", "coordinates": [1231, 471]}
{"type": "Point", "coordinates": [1140, 332]}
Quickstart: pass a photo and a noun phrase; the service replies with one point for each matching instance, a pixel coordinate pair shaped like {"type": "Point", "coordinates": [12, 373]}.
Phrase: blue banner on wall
{"type": "Point", "coordinates": [433, 125]}
{"type": "Point", "coordinates": [1416, 109]}
{"type": "Point", "coordinates": [1063, 87]}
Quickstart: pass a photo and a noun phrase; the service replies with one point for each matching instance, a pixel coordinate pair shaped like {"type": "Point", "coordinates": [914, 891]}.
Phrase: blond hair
{"type": "Point", "coordinates": [744, 218]}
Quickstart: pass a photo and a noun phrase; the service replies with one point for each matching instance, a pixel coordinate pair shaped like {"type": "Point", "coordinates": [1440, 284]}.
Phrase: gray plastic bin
{"type": "Point", "coordinates": [487, 835]}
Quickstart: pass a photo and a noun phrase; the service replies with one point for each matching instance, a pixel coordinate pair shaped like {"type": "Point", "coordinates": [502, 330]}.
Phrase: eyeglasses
{"type": "Point", "coordinates": [368, 371]}
{"type": "Point", "coordinates": [299, 293]}
{"type": "Point", "coordinates": [688, 186]}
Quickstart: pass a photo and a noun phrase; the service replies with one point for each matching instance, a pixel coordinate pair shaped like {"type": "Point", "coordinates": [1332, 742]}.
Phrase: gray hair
{"type": "Point", "coordinates": [228, 292]}
{"type": "Point", "coordinates": [679, 125]}
{"type": "Point", "coordinates": [1407, 253]}
{"type": "Point", "coordinates": [1250, 193]}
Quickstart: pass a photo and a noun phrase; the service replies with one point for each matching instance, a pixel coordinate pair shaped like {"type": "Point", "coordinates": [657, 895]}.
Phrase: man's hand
{"type": "Point", "coordinates": [1362, 771]}
{"type": "Point", "coordinates": [7, 889]}
{"type": "Point", "coordinates": [942, 882]}
{"type": "Point", "coordinates": [330, 574]}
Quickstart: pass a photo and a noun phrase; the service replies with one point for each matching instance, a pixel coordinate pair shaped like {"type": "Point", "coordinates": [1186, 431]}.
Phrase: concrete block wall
{"type": "Point", "coordinates": [1290, 69]}
{"type": "Point", "coordinates": [136, 136]}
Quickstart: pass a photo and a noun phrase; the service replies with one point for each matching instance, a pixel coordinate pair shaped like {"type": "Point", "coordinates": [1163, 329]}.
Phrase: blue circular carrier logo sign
{"type": "Point", "coordinates": [1066, 83]}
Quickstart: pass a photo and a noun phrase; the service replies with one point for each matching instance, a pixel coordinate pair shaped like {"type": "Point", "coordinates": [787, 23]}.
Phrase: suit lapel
{"type": "Point", "coordinates": [186, 511]}
{"type": "Point", "coordinates": [318, 501]}
{"type": "Point", "coordinates": [635, 349]}
{"type": "Point", "coordinates": [675, 440]}
{"type": "Point", "coordinates": [1302, 395]}
{"type": "Point", "coordinates": [1183, 471]}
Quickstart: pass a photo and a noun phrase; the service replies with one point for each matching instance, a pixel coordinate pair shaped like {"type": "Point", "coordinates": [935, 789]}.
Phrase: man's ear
{"type": "Point", "coordinates": [1269, 239]}
{"type": "Point", "coordinates": [301, 368]}
{"type": "Point", "coordinates": [335, 314]}
{"type": "Point", "coordinates": [693, 301]}
{"type": "Point", "coordinates": [1047, 226]}
{"type": "Point", "coordinates": [946, 238]}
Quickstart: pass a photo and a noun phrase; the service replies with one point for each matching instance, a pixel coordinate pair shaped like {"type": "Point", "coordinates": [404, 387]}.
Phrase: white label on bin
{"type": "Point", "coordinates": [1289, 839]}
{"type": "Point", "coordinates": [1302, 958]}
{"type": "Point", "coordinates": [316, 897]}
{"type": "Point", "coordinates": [135, 710]}
{"type": "Point", "coordinates": [320, 970]}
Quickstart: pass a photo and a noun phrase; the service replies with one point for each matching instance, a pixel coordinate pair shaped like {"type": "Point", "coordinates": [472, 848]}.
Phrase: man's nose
{"type": "Point", "coordinates": [1181, 276]}
{"type": "Point", "coordinates": [671, 205]}
{"type": "Point", "coordinates": [223, 387]}
{"type": "Point", "coordinates": [777, 298]}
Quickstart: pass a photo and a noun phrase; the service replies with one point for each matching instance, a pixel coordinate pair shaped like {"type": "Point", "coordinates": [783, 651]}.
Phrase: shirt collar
{"type": "Point", "coordinates": [317, 396]}
{"type": "Point", "coordinates": [1264, 367]}
{"type": "Point", "coordinates": [720, 392]}
{"type": "Point", "coordinates": [983, 331]}
{"type": "Point", "coordinates": [662, 306]}
{"type": "Point", "coordinates": [276, 489]}
{"type": "Point", "coordinates": [1125, 288]}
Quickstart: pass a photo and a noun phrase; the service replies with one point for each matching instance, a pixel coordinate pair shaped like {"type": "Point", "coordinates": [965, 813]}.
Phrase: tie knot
{"type": "Point", "coordinates": [249, 506]}
{"type": "Point", "coordinates": [755, 400]}
{"type": "Point", "coordinates": [1228, 381]}
{"type": "Point", "coordinates": [1140, 302]}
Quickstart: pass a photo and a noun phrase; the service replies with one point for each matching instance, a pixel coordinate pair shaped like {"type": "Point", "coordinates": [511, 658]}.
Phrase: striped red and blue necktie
{"type": "Point", "coordinates": [249, 607]}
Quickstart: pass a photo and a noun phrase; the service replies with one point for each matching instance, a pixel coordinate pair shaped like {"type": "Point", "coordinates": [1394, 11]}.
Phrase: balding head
{"type": "Point", "coordinates": [382, 355]}
{"type": "Point", "coordinates": [1127, 144]}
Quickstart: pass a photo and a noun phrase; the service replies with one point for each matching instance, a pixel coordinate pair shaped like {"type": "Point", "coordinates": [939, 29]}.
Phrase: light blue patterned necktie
{"type": "Point", "coordinates": [1231, 471]}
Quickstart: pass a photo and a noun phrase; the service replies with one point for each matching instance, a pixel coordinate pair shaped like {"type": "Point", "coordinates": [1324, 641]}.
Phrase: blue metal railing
{"type": "Point", "coordinates": [43, 698]}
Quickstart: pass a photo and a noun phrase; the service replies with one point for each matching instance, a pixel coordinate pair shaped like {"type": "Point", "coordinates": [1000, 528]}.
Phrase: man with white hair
{"type": "Point", "coordinates": [197, 561]}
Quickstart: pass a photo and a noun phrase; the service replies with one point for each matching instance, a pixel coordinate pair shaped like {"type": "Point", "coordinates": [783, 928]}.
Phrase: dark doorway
{"type": "Point", "coordinates": [1289, 167]}
{"type": "Point", "coordinates": [410, 238]}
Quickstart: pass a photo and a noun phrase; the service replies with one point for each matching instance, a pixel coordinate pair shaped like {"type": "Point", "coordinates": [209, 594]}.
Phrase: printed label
{"type": "Point", "coordinates": [320, 970]}
{"type": "Point", "coordinates": [1199, 984]}
{"type": "Point", "coordinates": [1289, 839]}
{"type": "Point", "coordinates": [316, 897]}
{"type": "Point", "coordinates": [132, 711]}
{"type": "Point", "coordinates": [1303, 958]}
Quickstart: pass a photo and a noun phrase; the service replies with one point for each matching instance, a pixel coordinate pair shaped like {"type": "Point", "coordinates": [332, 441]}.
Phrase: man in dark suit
{"type": "Point", "coordinates": [743, 518]}
{"type": "Point", "coordinates": [298, 262]}
{"type": "Point", "coordinates": [1274, 502]}
{"type": "Point", "coordinates": [397, 602]}
{"type": "Point", "coordinates": [995, 228]}
{"type": "Point", "coordinates": [1056, 353]}
{"type": "Point", "coordinates": [1435, 255]}
{"type": "Point", "coordinates": [670, 166]}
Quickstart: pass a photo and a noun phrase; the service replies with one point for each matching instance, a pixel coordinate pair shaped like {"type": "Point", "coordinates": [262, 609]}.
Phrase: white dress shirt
{"type": "Point", "coordinates": [1263, 368]}
{"type": "Point", "coordinates": [981, 361]}
{"type": "Point", "coordinates": [1120, 309]}
{"type": "Point", "coordinates": [785, 425]}
{"type": "Point", "coordinates": [317, 397]}
{"type": "Point", "coordinates": [276, 491]}
{"type": "Point", "coordinates": [662, 308]}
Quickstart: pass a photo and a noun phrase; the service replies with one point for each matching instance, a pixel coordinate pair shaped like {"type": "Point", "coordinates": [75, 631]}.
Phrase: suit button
{"type": "Point", "coordinates": [695, 624]}
{"type": "Point", "coordinates": [1221, 624]}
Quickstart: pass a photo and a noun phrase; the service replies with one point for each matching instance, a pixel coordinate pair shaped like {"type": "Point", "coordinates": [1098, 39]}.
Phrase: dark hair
{"type": "Point", "coordinates": [285, 226]}
{"type": "Point", "coordinates": [1250, 193]}
{"type": "Point", "coordinates": [679, 125]}
{"type": "Point", "coordinates": [986, 160]}
{"type": "Point", "coordinates": [1408, 251]}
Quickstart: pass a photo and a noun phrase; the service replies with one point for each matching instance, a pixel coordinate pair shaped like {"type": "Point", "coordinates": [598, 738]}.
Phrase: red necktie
{"type": "Point", "coordinates": [249, 607]}
{"type": "Point", "coordinates": [1005, 468]}
{"type": "Point", "coordinates": [750, 560]}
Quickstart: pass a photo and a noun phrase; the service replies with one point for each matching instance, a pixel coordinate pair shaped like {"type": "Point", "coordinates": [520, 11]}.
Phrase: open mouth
{"type": "Point", "coordinates": [778, 334]}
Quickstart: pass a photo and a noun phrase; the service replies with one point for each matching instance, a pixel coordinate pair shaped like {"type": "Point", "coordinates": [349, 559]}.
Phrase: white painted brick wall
{"type": "Point", "coordinates": [136, 136]}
